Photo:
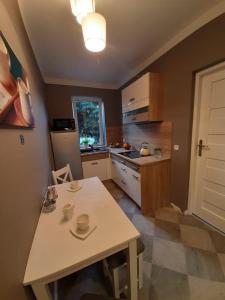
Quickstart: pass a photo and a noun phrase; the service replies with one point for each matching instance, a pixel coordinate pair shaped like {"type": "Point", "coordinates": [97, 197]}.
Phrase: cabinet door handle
{"type": "Point", "coordinates": [130, 101]}
{"type": "Point", "coordinates": [135, 177]}
{"type": "Point", "coordinates": [123, 182]}
{"type": "Point", "coordinates": [94, 163]}
{"type": "Point", "coordinates": [122, 162]}
{"type": "Point", "coordinates": [135, 168]}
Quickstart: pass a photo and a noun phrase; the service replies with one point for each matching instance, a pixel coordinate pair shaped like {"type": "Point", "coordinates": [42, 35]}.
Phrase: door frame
{"type": "Point", "coordinates": [195, 128]}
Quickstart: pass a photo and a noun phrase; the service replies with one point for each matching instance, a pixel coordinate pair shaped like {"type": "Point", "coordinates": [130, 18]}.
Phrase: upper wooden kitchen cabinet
{"type": "Point", "coordinates": [142, 100]}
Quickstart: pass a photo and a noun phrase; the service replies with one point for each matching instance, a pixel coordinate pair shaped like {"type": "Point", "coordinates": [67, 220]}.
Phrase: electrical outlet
{"type": "Point", "coordinates": [22, 140]}
{"type": "Point", "coordinates": [176, 147]}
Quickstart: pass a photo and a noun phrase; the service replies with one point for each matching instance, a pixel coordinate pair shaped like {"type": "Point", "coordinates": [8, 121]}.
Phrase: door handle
{"type": "Point", "coordinates": [95, 163]}
{"type": "Point", "coordinates": [200, 147]}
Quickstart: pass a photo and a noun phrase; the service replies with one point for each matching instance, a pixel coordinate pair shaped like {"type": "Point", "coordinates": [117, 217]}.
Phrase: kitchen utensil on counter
{"type": "Point", "coordinates": [144, 151]}
{"type": "Point", "coordinates": [116, 145]}
{"type": "Point", "coordinates": [158, 152]}
{"type": "Point", "coordinates": [126, 146]}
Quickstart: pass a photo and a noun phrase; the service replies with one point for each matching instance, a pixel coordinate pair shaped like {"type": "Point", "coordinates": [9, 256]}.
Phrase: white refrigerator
{"type": "Point", "coordinates": [66, 150]}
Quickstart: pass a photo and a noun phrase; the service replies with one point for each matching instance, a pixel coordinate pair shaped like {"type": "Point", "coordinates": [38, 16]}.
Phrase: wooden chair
{"type": "Point", "coordinates": [62, 175]}
{"type": "Point", "coordinates": [114, 264]}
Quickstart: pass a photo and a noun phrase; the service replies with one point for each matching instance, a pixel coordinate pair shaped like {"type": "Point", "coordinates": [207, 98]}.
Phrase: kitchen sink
{"type": "Point", "coordinates": [92, 150]}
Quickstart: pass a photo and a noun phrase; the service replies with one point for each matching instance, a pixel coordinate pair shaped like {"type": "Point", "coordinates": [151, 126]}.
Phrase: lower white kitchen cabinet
{"type": "Point", "coordinates": [99, 168]}
{"type": "Point", "coordinates": [134, 183]}
{"type": "Point", "coordinates": [128, 179]}
{"type": "Point", "coordinates": [147, 184]}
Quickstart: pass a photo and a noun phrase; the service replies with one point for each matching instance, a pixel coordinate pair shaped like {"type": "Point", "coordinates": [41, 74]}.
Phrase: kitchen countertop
{"type": "Point", "coordinates": [94, 152]}
{"type": "Point", "coordinates": [141, 161]}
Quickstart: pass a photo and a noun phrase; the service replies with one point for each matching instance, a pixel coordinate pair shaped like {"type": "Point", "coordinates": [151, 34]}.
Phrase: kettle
{"type": "Point", "coordinates": [144, 151]}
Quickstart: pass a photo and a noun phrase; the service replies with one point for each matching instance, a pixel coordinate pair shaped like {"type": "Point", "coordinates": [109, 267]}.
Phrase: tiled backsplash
{"type": "Point", "coordinates": [156, 134]}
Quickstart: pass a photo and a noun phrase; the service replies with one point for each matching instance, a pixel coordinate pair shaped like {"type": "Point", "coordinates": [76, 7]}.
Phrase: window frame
{"type": "Point", "coordinates": [102, 127]}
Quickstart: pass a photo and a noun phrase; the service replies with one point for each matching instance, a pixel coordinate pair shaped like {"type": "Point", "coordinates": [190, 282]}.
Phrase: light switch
{"type": "Point", "coordinates": [22, 140]}
{"type": "Point", "coordinates": [176, 147]}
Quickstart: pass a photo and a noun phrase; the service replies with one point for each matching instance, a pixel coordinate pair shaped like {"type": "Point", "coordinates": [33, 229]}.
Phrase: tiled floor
{"type": "Point", "coordinates": [183, 260]}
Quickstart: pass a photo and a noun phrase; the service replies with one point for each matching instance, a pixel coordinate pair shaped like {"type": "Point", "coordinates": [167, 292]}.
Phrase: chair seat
{"type": "Point", "coordinates": [120, 258]}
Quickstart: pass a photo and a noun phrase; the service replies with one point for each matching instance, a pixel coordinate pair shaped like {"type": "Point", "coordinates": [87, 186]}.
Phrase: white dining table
{"type": "Point", "coordinates": [56, 253]}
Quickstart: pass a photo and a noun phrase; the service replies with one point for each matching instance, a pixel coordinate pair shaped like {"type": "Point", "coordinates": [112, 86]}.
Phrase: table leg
{"type": "Point", "coordinates": [55, 290]}
{"type": "Point", "coordinates": [41, 291]}
{"type": "Point", "coordinates": [132, 265]}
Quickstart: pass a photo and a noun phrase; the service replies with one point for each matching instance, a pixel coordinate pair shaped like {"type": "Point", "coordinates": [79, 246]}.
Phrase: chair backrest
{"type": "Point", "coordinates": [62, 175]}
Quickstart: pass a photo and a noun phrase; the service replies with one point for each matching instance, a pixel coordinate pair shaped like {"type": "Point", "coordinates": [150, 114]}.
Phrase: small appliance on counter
{"type": "Point", "coordinates": [144, 151]}
{"type": "Point", "coordinates": [63, 124]}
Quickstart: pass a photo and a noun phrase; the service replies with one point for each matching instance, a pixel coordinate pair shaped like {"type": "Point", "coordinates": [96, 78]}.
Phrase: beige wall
{"type": "Point", "coordinates": [59, 101]}
{"type": "Point", "coordinates": [24, 169]}
{"type": "Point", "coordinates": [59, 105]}
{"type": "Point", "coordinates": [178, 67]}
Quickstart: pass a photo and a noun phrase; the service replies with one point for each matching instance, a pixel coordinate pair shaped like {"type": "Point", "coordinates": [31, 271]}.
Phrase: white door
{"type": "Point", "coordinates": [207, 179]}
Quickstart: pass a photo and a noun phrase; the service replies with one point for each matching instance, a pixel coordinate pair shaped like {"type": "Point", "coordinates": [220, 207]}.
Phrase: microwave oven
{"type": "Point", "coordinates": [63, 124]}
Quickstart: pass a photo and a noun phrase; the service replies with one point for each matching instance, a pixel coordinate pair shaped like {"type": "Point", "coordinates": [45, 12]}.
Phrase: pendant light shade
{"type": "Point", "coordinates": [81, 8]}
{"type": "Point", "coordinates": [94, 32]}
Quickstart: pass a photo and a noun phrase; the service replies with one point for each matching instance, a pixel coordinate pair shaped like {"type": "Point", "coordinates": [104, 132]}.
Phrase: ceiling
{"type": "Point", "coordinates": [138, 32]}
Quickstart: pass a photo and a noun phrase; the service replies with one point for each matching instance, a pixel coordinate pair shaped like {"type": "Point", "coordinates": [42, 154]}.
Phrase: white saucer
{"type": "Point", "coordinates": [74, 190]}
{"type": "Point", "coordinates": [83, 235]}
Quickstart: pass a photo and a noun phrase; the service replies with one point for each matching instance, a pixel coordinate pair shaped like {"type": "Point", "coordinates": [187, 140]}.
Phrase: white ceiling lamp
{"type": "Point", "coordinates": [81, 8]}
{"type": "Point", "coordinates": [94, 32]}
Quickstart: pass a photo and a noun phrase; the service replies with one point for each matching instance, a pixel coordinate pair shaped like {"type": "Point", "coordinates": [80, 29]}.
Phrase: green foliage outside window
{"type": "Point", "coordinates": [88, 117]}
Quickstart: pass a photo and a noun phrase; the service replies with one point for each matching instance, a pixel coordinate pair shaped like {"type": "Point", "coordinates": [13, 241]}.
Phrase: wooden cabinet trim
{"type": "Point", "coordinates": [155, 187]}
{"type": "Point", "coordinates": [94, 156]}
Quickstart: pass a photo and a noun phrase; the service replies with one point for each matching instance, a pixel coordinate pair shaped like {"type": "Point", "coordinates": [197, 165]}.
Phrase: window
{"type": "Point", "coordinates": [90, 120]}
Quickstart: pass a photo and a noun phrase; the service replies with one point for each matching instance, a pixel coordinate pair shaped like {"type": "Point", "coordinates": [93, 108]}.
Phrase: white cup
{"type": "Point", "coordinates": [74, 185]}
{"type": "Point", "coordinates": [82, 222]}
{"type": "Point", "coordinates": [68, 211]}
